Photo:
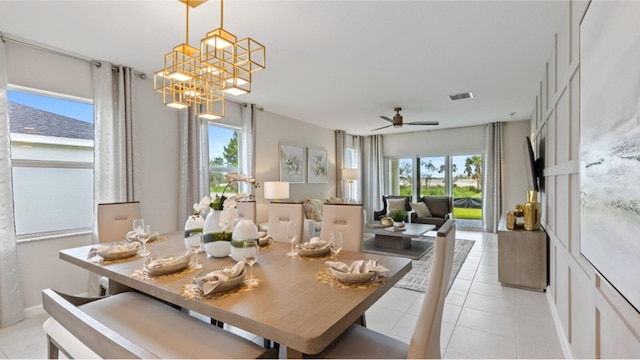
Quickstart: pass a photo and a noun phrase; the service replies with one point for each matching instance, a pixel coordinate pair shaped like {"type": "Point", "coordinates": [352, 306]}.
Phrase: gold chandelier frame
{"type": "Point", "coordinates": [201, 77]}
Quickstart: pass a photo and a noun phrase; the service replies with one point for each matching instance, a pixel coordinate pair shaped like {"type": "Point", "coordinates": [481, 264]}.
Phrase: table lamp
{"type": "Point", "coordinates": [350, 175]}
{"type": "Point", "coordinates": [276, 190]}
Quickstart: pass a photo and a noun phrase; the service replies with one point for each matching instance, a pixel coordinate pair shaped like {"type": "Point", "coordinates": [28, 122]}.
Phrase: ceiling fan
{"type": "Point", "coordinates": [397, 121]}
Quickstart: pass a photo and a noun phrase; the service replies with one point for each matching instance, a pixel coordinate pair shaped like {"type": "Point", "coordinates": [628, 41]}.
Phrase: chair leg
{"type": "Point", "coordinates": [103, 291]}
{"type": "Point", "coordinates": [362, 321]}
{"type": "Point", "coordinates": [52, 349]}
{"type": "Point", "coordinates": [266, 343]}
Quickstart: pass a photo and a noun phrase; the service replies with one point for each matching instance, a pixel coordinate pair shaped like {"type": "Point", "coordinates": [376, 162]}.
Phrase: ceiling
{"type": "Point", "coordinates": [336, 64]}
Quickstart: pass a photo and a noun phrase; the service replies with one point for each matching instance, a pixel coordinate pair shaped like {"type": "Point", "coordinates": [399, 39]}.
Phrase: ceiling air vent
{"type": "Point", "coordinates": [460, 96]}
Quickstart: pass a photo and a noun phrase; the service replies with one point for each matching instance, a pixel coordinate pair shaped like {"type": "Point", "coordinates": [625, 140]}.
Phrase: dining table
{"type": "Point", "coordinates": [296, 303]}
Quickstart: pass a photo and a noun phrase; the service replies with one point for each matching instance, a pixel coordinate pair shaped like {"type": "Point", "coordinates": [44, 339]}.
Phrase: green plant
{"type": "Point", "coordinates": [398, 215]}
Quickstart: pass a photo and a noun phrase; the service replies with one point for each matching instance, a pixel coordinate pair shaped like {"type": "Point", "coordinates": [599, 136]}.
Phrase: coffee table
{"type": "Point", "coordinates": [388, 240]}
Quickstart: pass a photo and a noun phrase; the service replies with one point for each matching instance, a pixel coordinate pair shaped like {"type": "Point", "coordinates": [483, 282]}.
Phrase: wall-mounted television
{"type": "Point", "coordinates": [535, 165]}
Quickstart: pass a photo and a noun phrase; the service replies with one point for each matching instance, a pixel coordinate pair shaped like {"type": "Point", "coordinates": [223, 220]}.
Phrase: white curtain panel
{"type": "Point", "coordinates": [248, 144]}
{"type": "Point", "coordinates": [11, 305]}
{"type": "Point", "coordinates": [193, 182]}
{"type": "Point", "coordinates": [372, 174]}
{"type": "Point", "coordinates": [341, 137]}
{"type": "Point", "coordinates": [492, 191]}
{"type": "Point", "coordinates": [114, 155]}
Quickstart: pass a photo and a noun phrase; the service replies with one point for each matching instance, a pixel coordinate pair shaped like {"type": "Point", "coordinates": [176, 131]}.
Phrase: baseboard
{"type": "Point", "coordinates": [564, 341]}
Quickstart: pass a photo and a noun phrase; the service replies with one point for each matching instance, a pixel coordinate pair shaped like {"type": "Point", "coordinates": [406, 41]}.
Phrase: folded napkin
{"type": "Point", "coordinates": [112, 248]}
{"type": "Point", "coordinates": [161, 262]}
{"type": "Point", "coordinates": [264, 238]}
{"type": "Point", "coordinates": [358, 267]}
{"type": "Point", "coordinates": [211, 280]}
{"type": "Point", "coordinates": [315, 243]}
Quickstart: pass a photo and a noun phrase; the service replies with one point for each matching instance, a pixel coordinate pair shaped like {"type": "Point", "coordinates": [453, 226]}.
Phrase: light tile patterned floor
{"type": "Point", "coordinates": [481, 318]}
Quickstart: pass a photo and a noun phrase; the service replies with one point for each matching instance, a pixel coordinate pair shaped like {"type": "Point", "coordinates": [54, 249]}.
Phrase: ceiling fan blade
{"type": "Point", "coordinates": [386, 126]}
{"type": "Point", "coordinates": [423, 123]}
{"type": "Point", "coordinates": [386, 118]}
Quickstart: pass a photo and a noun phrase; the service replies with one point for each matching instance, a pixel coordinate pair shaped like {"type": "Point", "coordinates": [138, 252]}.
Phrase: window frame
{"type": "Point", "coordinates": [55, 164]}
{"type": "Point", "coordinates": [224, 169]}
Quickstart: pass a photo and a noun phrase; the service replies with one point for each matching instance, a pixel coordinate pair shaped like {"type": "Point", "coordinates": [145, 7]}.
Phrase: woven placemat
{"type": "Point", "coordinates": [192, 291]}
{"type": "Point", "coordinates": [326, 277]}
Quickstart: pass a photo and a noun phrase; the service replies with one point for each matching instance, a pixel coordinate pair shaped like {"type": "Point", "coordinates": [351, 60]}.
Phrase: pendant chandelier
{"type": "Point", "coordinates": [201, 77]}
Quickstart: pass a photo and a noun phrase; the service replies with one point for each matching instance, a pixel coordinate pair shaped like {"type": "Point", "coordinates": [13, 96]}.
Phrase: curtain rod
{"type": "Point", "coordinates": [97, 63]}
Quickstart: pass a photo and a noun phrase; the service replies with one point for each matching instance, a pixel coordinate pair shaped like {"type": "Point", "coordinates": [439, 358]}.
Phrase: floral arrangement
{"type": "Point", "coordinates": [227, 204]}
{"type": "Point", "coordinates": [203, 205]}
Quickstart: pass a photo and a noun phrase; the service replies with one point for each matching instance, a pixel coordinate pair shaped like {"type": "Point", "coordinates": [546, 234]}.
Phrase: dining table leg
{"type": "Point", "coordinates": [289, 353]}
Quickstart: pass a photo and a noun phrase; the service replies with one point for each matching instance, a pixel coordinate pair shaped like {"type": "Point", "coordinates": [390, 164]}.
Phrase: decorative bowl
{"type": "Point", "coordinates": [353, 278]}
{"type": "Point", "coordinates": [180, 263]}
{"type": "Point", "coordinates": [224, 285]}
{"type": "Point", "coordinates": [308, 252]}
{"type": "Point", "coordinates": [120, 251]}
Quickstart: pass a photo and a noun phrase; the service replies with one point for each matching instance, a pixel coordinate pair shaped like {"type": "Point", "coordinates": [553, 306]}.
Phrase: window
{"type": "Point", "coordinates": [400, 176]}
{"type": "Point", "coordinates": [459, 176]}
{"type": "Point", "coordinates": [432, 176]}
{"type": "Point", "coordinates": [52, 162]}
{"type": "Point", "coordinates": [224, 157]}
{"type": "Point", "coordinates": [467, 186]}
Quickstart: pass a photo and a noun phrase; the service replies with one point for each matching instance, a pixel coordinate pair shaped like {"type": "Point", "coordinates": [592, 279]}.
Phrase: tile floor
{"type": "Point", "coordinates": [481, 318]}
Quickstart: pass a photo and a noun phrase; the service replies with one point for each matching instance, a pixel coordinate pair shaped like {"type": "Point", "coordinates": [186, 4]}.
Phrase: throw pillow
{"type": "Point", "coordinates": [395, 204]}
{"type": "Point", "coordinates": [421, 209]}
{"type": "Point", "coordinates": [312, 210]}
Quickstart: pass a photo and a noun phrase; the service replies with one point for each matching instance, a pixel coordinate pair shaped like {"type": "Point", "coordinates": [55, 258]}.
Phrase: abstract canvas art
{"type": "Point", "coordinates": [610, 143]}
{"type": "Point", "coordinates": [292, 163]}
{"type": "Point", "coordinates": [317, 163]}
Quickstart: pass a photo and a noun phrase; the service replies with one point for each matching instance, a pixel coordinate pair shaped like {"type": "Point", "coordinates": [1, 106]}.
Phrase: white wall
{"type": "Point", "coordinates": [595, 320]}
{"type": "Point", "coordinates": [156, 146]}
{"type": "Point", "coordinates": [272, 129]}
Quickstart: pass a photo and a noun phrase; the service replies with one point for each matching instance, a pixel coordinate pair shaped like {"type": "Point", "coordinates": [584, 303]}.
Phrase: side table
{"type": "Point", "coordinates": [522, 257]}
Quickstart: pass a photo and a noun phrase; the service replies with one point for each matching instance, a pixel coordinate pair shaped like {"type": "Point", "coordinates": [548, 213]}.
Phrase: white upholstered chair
{"type": "Point", "coordinates": [280, 215]}
{"type": "Point", "coordinates": [360, 342]}
{"type": "Point", "coordinates": [344, 218]}
{"type": "Point", "coordinates": [247, 210]}
{"type": "Point", "coordinates": [114, 221]}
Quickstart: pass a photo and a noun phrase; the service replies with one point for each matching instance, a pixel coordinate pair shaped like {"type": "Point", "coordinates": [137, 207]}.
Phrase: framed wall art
{"type": "Point", "coordinates": [317, 165]}
{"type": "Point", "coordinates": [610, 143]}
{"type": "Point", "coordinates": [292, 163]}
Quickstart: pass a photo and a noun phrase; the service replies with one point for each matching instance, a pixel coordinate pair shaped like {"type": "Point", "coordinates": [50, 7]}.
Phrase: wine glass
{"type": "Point", "coordinates": [335, 244]}
{"type": "Point", "coordinates": [138, 226]}
{"type": "Point", "coordinates": [195, 243]}
{"type": "Point", "coordinates": [292, 234]}
{"type": "Point", "coordinates": [143, 236]}
{"type": "Point", "coordinates": [251, 250]}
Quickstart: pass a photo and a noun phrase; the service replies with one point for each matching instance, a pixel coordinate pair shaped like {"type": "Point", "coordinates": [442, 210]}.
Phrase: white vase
{"type": "Point", "coordinates": [216, 241]}
{"type": "Point", "coordinates": [398, 224]}
{"type": "Point", "coordinates": [244, 230]}
{"type": "Point", "coordinates": [194, 224]}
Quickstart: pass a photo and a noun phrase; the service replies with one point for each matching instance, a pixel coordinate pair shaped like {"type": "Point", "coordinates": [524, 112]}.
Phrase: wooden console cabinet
{"type": "Point", "coordinates": [522, 257]}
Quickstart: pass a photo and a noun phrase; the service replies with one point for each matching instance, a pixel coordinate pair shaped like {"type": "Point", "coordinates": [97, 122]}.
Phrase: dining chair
{"type": "Point", "coordinates": [247, 210]}
{"type": "Point", "coordinates": [344, 218]}
{"type": "Point", "coordinates": [280, 215]}
{"type": "Point", "coordinates": [115, 220]}
{"type": "Point", "coordinates": [360, 342]}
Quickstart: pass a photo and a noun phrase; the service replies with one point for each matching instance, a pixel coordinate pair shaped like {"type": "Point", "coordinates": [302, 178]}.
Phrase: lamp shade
{"type": "Point", "coordinates": [276, 190]}
{"type": "Point", "coordinates": [350, 174]}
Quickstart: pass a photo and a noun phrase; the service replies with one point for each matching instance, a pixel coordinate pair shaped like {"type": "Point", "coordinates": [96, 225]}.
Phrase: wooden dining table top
{"type": "Point", "coordinates": [290, 305]}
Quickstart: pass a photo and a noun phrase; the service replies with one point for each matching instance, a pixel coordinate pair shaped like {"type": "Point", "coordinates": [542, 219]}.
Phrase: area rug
{"type": "Point", "coordinates": [418, 276]}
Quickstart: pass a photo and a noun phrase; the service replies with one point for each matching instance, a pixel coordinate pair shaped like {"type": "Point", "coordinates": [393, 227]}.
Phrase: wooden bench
{"type": "Point", "coordinates": [133, 325]}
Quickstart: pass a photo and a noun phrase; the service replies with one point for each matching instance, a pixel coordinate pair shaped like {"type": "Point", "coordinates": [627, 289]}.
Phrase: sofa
{"type": "Point", "coordinates": [312, 209]}
{"type": "Point", "coordinates": [439, 209]}
{"type": "Point", "coordinates": [393, 202]}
